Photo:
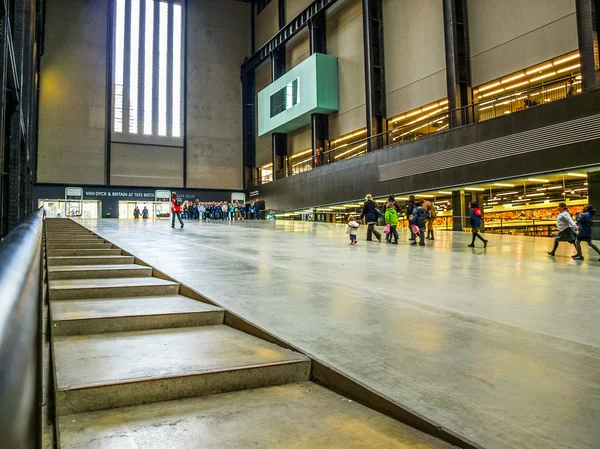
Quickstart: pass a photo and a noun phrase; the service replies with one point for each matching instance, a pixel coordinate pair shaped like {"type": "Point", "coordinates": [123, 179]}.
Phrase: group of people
{"type": "Point", "coordinates": [207, 211]}
{"type": "Point", "coordinates": [575, 231]}
{"type": "Point", "coordinates": [145, 213]}
{"type": "Point", "coordinates": [421, 215]}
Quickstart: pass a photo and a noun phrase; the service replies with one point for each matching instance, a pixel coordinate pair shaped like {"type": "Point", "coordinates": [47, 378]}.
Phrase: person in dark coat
{"type": "Point", "coordinates": [419, 218]}
{"type": "Point", "coordinates": [370, 215]}
{"type": "Point", "coordinates": [585, 222]}
{"type": "Point", "coordinates": [475, 221]}
{"type": "Point", "coordinates": [410, 206]}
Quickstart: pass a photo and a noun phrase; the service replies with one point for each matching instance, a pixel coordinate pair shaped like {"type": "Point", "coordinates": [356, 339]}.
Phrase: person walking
{"type": "Point", "coordinates": [391, 219]}
{"type": "Point", "coordinates": [145, 213]}
{"type": "Point", "coordinates": [391, 202]}
{"type": "Point", "coordinates": [369, 215]}
{"type": "Point", "coordinates": [176, 203]}
{"type": "Point", "coordinates": [475, 221]}
{"type": "Point", "coordinates": [566, 228]}
{"type": "Point", "coordinates": [410, 206]}
{"type": "Point", "coordinates": [225, 211]}
{"type": "Point", "coordinates": [352, 229]}
{"type": "Point", "coordinates": [136, 213]}
{"type": "Point", "coordinates": [585, 222]}
{"type": "Point", "coordinates": [431, 216]}
{"type": "Point", "coordinates": [419, 218]}
{"type": "Point", "coordinates": [257, 210]}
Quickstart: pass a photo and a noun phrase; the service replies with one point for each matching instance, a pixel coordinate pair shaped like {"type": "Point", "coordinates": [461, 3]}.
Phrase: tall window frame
{"type": "Point", "coordinates": [148, 71]}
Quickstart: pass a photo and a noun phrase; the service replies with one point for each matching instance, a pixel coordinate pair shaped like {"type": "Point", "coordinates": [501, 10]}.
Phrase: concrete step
{"type": "Point", "coordinates": [98, 271]}
{"type": "Point", "coordinates": [75, 245]}
{"type": "Point", "coordinates": [89, 260]}
{"type": "Point", "coordinates": [95, 316]}
{"type": "Point", "coordinates": [102, 371]}
{"type": "Point", "coordinates": [74, 239]}
{"type": "Point", "coordinates": [84, 252]}
{"type": "Point", "coordinates": [297, 416]}
{"type": "Point", "coordinates": [110, 288]}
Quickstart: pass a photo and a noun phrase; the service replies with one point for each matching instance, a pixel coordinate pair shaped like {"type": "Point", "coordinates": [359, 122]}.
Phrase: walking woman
{"type": "Point", "coordinates": [475, 220]}
{"type": "Point", "coordinates": [369, 215]}
{"type": "Point", "coordinates": [566, 228]}
{"type": "Point", "coordinates": [431, 216]}
{"type": "Point", "coordinates": [585, 222]}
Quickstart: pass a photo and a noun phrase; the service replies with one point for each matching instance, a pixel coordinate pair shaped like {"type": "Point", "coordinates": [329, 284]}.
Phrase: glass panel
{"type": "Point", "coordinates": [162, 69]}
{"type": "Point", "coordinates": [176, 70]}
{"type": "Point", "coordinates": [148, 69]}
{"type": "Point", "coordinates": [133, 66]}
{"type": "Point", "coordinates": [119, 57]}
{"type": "Point", "coordinates": [285, 98]}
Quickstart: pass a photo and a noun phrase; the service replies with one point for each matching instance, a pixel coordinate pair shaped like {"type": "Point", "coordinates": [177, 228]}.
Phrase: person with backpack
{"type": "Point", "coordinates": [475, 221]}
{"type": "Point", "coordinates": [585, 222]}
{"type": "Point", "coordinates": [418, 221]}
{"type": "Point", "coordinates": [176, 203]}
{"type": "Point", "coordinates": [391, 219]}
{"type": "Point", "coordinates": [566, 228]}
{"type": "Point", "coordinates": [431, 216]}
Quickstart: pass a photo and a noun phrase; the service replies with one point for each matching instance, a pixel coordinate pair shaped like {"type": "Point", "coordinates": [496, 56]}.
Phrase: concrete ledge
{"type": "Point", "coordinates": [63, 272]}
{"type": "Point", "coordinates": [110, 288]}
{"type": "Point", "coordinates": [83, 252]}
{"type": "Point", "coordinates": [89, 260]}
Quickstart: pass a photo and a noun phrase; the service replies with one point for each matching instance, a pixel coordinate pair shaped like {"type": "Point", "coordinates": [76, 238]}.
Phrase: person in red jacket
{"type": "Point", "coordinates": [176, 209]}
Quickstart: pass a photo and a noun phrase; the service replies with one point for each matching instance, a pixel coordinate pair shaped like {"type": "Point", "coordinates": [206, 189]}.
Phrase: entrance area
{"type": "Point", "coordinates": [156, 209]}
{"type": "Point", "coordinates": [62, 208]}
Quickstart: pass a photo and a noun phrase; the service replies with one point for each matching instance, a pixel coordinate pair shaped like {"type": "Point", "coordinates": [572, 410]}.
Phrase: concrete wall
{"type": "Point", "coordinates": [415, 62]}
{"type": "Point", "coordinates": [266, 24]}
{"type": "Point", "coordinates": [141, 165]}
{"type": "Point", "coordinates": [509, 35]}
{"type": "Point", "coordinates": [345, 40]}
{"type": "Point", "coordinates": [73, 93]}
{"type": "Point", "coordinates": [300, 140]}
{"type": "Point", "coordinates": [218, 32]}
{"type": "Point", "coordinates": [295, 7]}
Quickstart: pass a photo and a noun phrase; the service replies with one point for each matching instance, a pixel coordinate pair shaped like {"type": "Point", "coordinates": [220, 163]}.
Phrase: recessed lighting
{"type": "Point", "coordinates": [538, 180]}
{"type": "Point", "coordinates": [476, 189]}
{"type": "Point", "coordinates": [489, 86]}
{"type": "Point", "coordinates": [541, 77]}
{"type": "Point", "coordinates": [565, 59]}
{"type": "Point", "coordinates": [555, 187]}
{"type": "Point", "coordinates": [568, 69]}
{"type": "Point", "coordinates": [535, 194]}
{"type": "Point", "coordinates": [512, 78]}
{"type": "Point", "coordinates": [503, 185]}
{"type": "Point", "coordinates": [579, 175]}
{"type": "Point", "coordinates": [538, 69]}
{"type": "Point", "coordinates": [445, 193]}
{"type": "Point", "coordinates": [508, 193]}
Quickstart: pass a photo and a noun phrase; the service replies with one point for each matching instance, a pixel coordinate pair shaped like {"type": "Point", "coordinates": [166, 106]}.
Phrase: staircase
{"type": "Point", "coordinates": [139, 365]}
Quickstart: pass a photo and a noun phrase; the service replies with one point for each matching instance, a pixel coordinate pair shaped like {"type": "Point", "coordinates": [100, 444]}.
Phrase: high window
{"type": "Point", "coordinates": [148, 58]}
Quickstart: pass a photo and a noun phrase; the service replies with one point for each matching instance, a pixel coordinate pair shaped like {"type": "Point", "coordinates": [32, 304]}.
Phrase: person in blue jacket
{"type": "Point", "coordinates": [475, 221]}
{"type": "Point", "coordinates": [585, 222]}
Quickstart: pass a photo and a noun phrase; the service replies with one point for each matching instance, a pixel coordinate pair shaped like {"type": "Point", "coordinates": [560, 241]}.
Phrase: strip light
{"type": "Point", "coordinates": [565, 59]}
{"type": "Point", "coordinates": [538, 69]}
{"type": "Point", "coordinates": [503, 185]}
{"type": "Point", "coordinates": [568, 69]}
{"type": "Point", "coordinates": [512, 78]}
{"type": "Point", "coordinates": [579, 175]}
{"type": "Point", "coordinates": [541, 77]}
{"type": "Point", "coordinates": [475, 189]}
{"type": "Point", "coordinates": [538, 180]}
{"type": "Point", "coordinates": [445, 193]}
{"type": "Point", "coordinates": [293, 156]}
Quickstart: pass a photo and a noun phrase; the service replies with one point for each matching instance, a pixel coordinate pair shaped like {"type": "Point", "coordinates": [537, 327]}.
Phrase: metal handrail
{"type": "Point", "coordinates": [21, 335]}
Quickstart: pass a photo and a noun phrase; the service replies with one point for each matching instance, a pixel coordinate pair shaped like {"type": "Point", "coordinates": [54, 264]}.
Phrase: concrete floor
{"type": "Point", "coordinates": [501, 346]}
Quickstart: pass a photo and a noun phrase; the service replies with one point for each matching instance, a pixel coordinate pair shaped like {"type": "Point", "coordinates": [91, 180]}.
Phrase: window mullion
{"type": "Point", "coordinates": [170, 72]}
{"type": "Point", "coordinates": [126, 66]}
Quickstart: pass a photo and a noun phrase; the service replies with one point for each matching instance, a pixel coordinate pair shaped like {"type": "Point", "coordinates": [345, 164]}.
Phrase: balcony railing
{"type": "Point", "coordinates": [484, 110]}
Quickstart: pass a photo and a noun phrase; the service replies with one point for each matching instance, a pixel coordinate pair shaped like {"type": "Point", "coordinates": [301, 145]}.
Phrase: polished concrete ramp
{"type": "Point", "coordinates": [137, 363]}
{"type": "Point", "coordinates": [500, 346]}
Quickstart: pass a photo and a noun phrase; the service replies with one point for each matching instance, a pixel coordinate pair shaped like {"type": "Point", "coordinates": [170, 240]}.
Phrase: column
{"type": "Point", "coordinates": [374, 72]}
{"type": "Point", "coordinates": [594, 199]}
{"type": "Point", "coordinates": [317, 31]}
{"type": "Point", "coordinates": [458, 64]}
{"type": "Point", "coordinates": [458, 210]}
{"type": "Point", "coordinates": [278, 66]}
{"type": "Point", "coordinates": [249, 126]}
{"type": "Point", "coordinates": [588, 24]}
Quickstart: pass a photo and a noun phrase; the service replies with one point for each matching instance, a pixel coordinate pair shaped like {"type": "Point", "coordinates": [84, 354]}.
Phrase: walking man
{"type": "Point", "coordinates": [176, 203]}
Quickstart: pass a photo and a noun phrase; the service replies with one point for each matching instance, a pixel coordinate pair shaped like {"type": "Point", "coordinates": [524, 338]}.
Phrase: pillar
{"type": "Point", "coordinates": [317, 32]}
{"type": "Point", "coordinates": [278, 68]}
{"type": "Point", "coordinates": [594, 199]}
{"type": "Point", "coordinates": [458, 210]}
{"type": "Point", "coordinates": [249, 126]}
{"type": "Point", "coordinates": [458, 62]}
{"type": "Point", "coordinates": [588, 25]}
{"type": "Point", "coordinates": [374, 72]}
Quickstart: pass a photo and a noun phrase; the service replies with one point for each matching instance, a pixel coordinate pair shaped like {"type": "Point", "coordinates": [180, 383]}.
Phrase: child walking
{"type": "Point", "coordinates": [352, 229]}
{"type": "Point", "coordinates": [391, 218]}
